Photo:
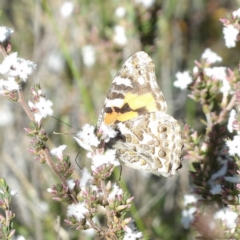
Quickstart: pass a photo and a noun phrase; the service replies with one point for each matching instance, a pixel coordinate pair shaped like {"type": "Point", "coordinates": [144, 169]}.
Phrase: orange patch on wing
{"type": "Point", "coordinates": [109, 118]}
{"type": "Point", "coordinates": [112, 117]}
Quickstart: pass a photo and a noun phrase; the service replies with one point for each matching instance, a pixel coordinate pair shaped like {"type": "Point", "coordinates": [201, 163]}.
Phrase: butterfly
{"type": "Point", "coordinates": [147, 138]}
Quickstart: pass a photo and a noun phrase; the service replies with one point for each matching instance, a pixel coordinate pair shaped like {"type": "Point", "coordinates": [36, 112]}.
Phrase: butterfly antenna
{"type": "Point", "coordinates": [62, 121]}
{"type": "Point", "coordinates": [59, 133]}
{"type": "Point", "coordinates": [77, 162]}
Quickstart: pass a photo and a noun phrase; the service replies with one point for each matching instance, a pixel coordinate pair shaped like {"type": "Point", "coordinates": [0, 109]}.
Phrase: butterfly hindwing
{"type": "Point", "coordinates": [151, 143]}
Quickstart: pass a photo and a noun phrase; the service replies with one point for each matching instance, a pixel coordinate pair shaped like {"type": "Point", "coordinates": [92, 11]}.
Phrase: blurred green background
{"type": "Point", "coordinates": [79, 46]}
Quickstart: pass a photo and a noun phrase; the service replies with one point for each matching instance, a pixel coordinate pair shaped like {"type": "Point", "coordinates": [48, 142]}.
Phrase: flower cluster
{"type": "Point", "coordinates": [94, 192]}
{"type": "Point", "coordinates": [212, 206]}
{"type": "Point", "coordinates": [41, 106]}
{"type": "Point", "coordinates": [13, 69]}
{"type": "Point", "coordinates": [231, 28]}
{"type": "Point", "coordinates": [6, 230]}
{"type": "Point", "coordinates": [94, 143]}
{"type": "Point", "coordinates": [84, 196]}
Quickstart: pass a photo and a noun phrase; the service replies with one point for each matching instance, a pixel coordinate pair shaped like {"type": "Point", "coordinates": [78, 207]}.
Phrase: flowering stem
{"type": "Point", "coordinates": [45, 151]}
{"type": "Point", "coordinates": [101, 232]}
{"type": "Point", "coordinates": [21, 100]}
{"type": "Point", "coordinates": [105, 195]}
{"type": "Point", "coordinates": [53, 167]}
{"type": "Point", "coordinates": [94, 226]}
{"type": "Point", "coordinates": [7, 213]}
{"type": "Point", "coordinates": [209, 120]}
{"type": "Point", "coordinates": [224, 112]}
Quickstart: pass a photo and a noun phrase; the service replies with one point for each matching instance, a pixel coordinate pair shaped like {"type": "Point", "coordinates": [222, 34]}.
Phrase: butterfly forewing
{"type": "Point", "coordinates": [134, 91]}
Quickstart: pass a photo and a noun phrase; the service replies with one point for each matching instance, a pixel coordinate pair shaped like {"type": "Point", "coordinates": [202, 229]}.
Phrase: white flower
{"type": "Point", "coordinates": [226, 88]}
{"type": "Point", "coordinates": [87, 138]}
{"type": "Point", "coordinates": [220, 74]}
{"type": "Point", "coordinates": [20, 237]}
{"type": "Point", "coordinates": [227, 216]}
{"type": "Point", "coordinates": [58, 152]}
{"type": "Point", "coordinates": [89, 56]}
{"type": "Point", "coordinates": [11, 84]}
{"type": "Point", "coordinates": [116, 190]}
{"type": "Point", "coordinates": [17, 67]}
{"type": "Point", "coordinates": [90, 233]}
{"type": "Point", "coordinates": [210, 56]}
{"type": "Point", "coordinates": [23, 69]}
{"type": "Point", "coordinates": [216, 72]}
{"type": "Point", "coordinates": [107, 132]}
{"type": "Point", "coordinates": [13, 192]}
{"type": "Point", "coordinates": [94, 188]}
{"type": "Point", "coordinates": [8, 85]}
{"type": "Point", "coordinates": [50, 190]}
{"type": "Point", "coordinates": [43, 108]}
{"type": "Point", "coordinates": [217, 189]}
{"type": "Point", "coordinates": [145, 3]}
{"type": "Point", "coordinates": [231, 119]}
{"type": "Point", "coordinates": [119, 36]}
{"type": "Point", "coordinates": [108, 157]}
{"type": "Point", "coordinates": [190, 199]}
{"type": "Point", "coordinates": [188, 217]}
{"type": "Point", "coordinates": [120, 12]}
{"type": "Point", "coordinates": [230, 35]}
{"type": "Point", "coordinates": [5, 33]}
{"type": "Point", "coordinates": [183, 80]}
{"type": "Point", "coordinates": [236, 14]}
{"type": "Point", "coordinates": [86, 176]}
{"type": "Point", "coordinates": [8, 62]}
{"type": "Point", "coordinates": [220, 173]}
{"type": "Point", "coordinates": [71, 183]}
{"type": "Point", "coordinates": [66, 9]}
{"type": "Point", "coordinates": [132, 236]}
{"type": "Point", "coordinates": [233, 179]}
{"type": "Point", "coordinates": [234, 146]}
{"type": "Point", "coordinates": [195, 70]}
{"type": "Point", "coordinates": [77, 210]}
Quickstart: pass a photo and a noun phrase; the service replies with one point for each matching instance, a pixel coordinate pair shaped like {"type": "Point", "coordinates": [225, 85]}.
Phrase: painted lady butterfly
{"type": "Point", "coordinates": [148, 139]}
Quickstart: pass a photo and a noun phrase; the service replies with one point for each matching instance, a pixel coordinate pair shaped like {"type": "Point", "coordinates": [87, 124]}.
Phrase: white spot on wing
{"type": "Point", "coordinates": [141, 80]}
{"type": "Point", "coordinates": [153, 124]}
{"type": "Point", "coordinates": [146, 138]}
{"type": "Point", "coordinates": [125, 81]}
{"type": "Point", "coordinates": [123, 129]}
{"type": "Point", "coordinates": [115, 102]}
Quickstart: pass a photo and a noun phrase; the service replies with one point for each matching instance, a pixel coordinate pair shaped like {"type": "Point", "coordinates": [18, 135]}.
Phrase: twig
{"type": "Point", "coordinates": [224, 112]}
{"type": "Point", "coordinates": [22, 101]}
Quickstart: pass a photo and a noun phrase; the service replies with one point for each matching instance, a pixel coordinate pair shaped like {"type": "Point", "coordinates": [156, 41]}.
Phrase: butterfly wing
{"type": "Point", "coordinates": [151, 143]}
{"type": "Point", "coordinates": [148, 139]}
{"type": "Point", "coordinates": [134, 92]}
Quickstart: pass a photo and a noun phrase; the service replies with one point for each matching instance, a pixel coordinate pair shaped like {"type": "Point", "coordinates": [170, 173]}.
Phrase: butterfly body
{"type": "Point", "coordinates": [148, 139]}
